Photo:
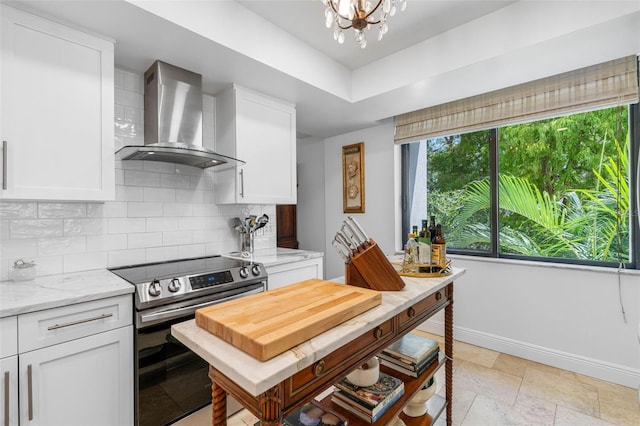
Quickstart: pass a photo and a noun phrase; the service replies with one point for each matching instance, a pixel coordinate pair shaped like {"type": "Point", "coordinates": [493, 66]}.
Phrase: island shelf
{"type": "Point", "coordinates": [274, 388]}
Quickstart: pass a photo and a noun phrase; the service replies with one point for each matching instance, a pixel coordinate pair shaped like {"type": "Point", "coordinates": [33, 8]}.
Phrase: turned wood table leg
{"type": "Point", "coordinates": [448, 350]}
{"type": "Point", "coordinates": [270, 407]}
{"type": "Point", "coordinates": [218, 405]}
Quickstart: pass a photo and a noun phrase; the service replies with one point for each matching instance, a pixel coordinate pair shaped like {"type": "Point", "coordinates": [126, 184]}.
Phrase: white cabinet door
{"type": "Point", "coordinates": [293, 272]}
{"type": "Point", "coordinates": [57, 111]}
{"type": "Point", "coordinates": [88, 381]}
{"type": "Point", "coordinates": [260, 131]}
{"type": "Point", "coordinates": [9, 391]}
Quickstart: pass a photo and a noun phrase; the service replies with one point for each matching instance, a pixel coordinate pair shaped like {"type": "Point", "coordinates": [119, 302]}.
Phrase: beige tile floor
{"type": "Point", "coordinates": [495, 389]}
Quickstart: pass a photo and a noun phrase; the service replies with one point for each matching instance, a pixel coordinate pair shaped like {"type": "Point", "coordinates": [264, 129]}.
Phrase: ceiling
{"type": "Point", "coordinates": [422, 19]}
{"type": "Point", "coordinates": [435, 51]}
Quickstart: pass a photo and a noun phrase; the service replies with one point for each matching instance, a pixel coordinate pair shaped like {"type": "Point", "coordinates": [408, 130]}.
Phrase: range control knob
{"type": "Point", "coordinates": [174, 285]}
{"type": "Point", "coordinates": [154, 288]}
{"type": "Point", "coordinates": [244, 272]}
{"type": "Point", "coordinates": [255, 270]}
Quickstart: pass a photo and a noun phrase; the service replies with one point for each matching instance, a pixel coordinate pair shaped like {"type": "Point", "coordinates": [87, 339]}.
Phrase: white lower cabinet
{"type": "Point", "coordinates": [9, 371]}
{"type": "Point", "coordinates": [83, 382]}
{"type": "Point", "coordinates": [69, 366]}
{"type": "Point", "coordinates": [293, 272]}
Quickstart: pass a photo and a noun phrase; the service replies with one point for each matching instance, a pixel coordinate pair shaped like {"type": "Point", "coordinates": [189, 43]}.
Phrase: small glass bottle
{"type": "Point", "coordinates": [438, 250]}
{"type": "Point", "coordinates": [409, 263]}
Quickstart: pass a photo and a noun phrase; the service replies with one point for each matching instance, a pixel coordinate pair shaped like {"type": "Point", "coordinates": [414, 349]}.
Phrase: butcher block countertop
{"type": "Point", "coordinates": [258, 376]}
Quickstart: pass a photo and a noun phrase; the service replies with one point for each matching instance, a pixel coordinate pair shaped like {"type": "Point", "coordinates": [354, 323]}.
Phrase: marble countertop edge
{"type": "Point", "coordinates": [52, 291]}
{"type": "Point", "coordinates": [257, 376]}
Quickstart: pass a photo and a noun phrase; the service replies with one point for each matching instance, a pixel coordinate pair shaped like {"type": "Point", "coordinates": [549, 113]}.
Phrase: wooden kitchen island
{"type": "Point", "coordinates": [273, 388]}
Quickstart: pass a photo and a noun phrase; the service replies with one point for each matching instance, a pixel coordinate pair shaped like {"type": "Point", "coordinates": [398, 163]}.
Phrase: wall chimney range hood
{"type": "Point", "coordinates": [173, 121]}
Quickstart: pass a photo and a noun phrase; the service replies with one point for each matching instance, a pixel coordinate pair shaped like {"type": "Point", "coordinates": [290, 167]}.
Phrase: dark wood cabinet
{"type": "Point", "coordinates": [286, 227]}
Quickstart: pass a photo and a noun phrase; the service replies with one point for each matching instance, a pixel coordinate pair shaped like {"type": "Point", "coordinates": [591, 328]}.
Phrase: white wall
{"type": "Point", "coordinates": [379, 217]}
{"type": "Point", "coordinates": [311, 202]}
{"type": "Point", "coordinates": [565, 316]}
{"type": "Point", "coordinates": [162, 211]}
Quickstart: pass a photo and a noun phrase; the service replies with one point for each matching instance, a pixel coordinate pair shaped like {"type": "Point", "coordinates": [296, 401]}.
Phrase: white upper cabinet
{"type": "Point", "coordinates": [57, 111]}
{"type": "Point", "coordinates": [261, 131]}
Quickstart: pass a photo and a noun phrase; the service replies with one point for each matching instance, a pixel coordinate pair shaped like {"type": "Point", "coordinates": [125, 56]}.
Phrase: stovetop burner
{"type": "Point", "coordinates": [160, 283]}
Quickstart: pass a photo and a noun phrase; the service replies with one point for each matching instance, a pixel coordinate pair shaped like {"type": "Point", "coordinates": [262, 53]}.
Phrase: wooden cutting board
{"type": "Point", "coordinates": [267, 324]}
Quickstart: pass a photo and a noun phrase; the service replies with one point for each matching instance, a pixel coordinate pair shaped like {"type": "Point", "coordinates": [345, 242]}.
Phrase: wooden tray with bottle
{"type": "Point", "coordinates": [446, 271]}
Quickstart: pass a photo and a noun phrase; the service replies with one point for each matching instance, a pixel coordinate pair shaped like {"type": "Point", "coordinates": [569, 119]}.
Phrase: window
{"type": "Point", "coordinates": [553, 189]}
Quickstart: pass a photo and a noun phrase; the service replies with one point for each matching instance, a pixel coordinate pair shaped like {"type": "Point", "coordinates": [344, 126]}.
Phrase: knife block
{"type": "Point", "coordinates": [370, 268]}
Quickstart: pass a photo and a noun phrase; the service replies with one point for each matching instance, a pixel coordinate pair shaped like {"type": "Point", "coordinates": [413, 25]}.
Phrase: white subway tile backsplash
{"type": "Point", "coordinates": [118, 112]}
{"type": "Point", "coordinates": [160, 224]}
{"type": "Point", "coordinates": [85, 261]}
{"type": "Point", "coordinates": [131, 165]}
{"type": "Point", "coordinates": [126, 257]}
{"type": "Point", "coordinates": [4, 230]}
{"type": "Point", "coordinates": [48, 265]}
{"type": "Point", "coordinates": [159, 254]}
{"type": "Point", "coordinates": [183, 169]}
{"type": "Point", "coordinates": [129, 193]}
{"type": "Point", "coordinates": [174, 238]}
{"type": "Point", "coordinates": [106, 210]}
{"type": "Point", "coordinates": [144, 240]}
{"type": "Point", "coordinates": [175, 181]}
{"type": "Point", "coordinates": [144, 209]}
{"type": "Point", "coordinates": [136, 178]}
{"type": "Point", "coordinates": [177, 209]}
{"type": "Point", "coordinates": [132, 99]}
{"type": "Point", "coordinates": [107, 242]}
{"type": "Point", "coordinates": [62, 246]}
{"type": "Point", "coordinates": [61, 210]}
{"type": "Point", "coordinates": [191, 250]}
{"type": "Point", "coordinates": [205, 236]}
{"type": "Point", "coordinates": [192, 223]}
{"type": "Point", "coordinates": [91, 226]}
{"type": "Point", "coordinates": [159, 194]}
{"type": "Point", "coordinates": [126, 225]}
{"type": "Point", "coordinates": [42, 228]}
{"type": "Point", "coordinates": [189, 196]}
{"type": "Point", "coordinates": [205, 209]}
{"type": "Point", "coordinates": [18, 210]}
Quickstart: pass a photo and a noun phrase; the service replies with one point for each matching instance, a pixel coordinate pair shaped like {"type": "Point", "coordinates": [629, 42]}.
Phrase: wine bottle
{"type": "Point", "coordinates": [438, 249]}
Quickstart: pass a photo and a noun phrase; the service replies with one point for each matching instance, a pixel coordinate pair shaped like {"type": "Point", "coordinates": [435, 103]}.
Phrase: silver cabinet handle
{"type": "Point", "coordinates": [30, 390]}
{"type": "Point", "coordinates": [4, 164]}
{"type": "Point", "coordinates": [242, 183]}
{"type": "Point", "coordinates": [6, 398]}
{"type": "Point", "coordinates": [68, 324]}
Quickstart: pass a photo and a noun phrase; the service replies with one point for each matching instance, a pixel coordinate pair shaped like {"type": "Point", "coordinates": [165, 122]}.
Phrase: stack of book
{"type": "Point", "coordinates": [370, 402]}
{"type": "Point", "coordinates": [410, 355]}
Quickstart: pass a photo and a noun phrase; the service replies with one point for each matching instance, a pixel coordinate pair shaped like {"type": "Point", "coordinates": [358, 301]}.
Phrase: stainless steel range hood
{"type": "Point", "coordinates": [173, 121]}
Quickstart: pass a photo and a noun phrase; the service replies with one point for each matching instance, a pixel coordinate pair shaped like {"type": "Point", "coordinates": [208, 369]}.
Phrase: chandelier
{"type": "Point", "coordinates": [359, 15]}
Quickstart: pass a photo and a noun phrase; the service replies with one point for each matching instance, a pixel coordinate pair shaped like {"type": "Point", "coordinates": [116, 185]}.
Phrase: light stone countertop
{"type": "Point", "coordinates": [277, 256]}
{"type": "Point", "coordinates": [256, 376]}
{"type": "Point", "coordinates": [52, 291]}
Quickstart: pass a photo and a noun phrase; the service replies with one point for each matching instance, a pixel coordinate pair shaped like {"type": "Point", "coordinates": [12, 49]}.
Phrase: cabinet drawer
{"type": "Point", "coordinates": [52, 326]}
{"type": "Point", "coordinates": [421, 310]}
{"type": "Point", "coordinates": [8, 336]}
{"type": "Point", "coordinates": [332, 367]}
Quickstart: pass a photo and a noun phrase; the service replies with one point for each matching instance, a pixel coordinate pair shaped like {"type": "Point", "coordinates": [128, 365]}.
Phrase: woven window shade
{"type": "Point", "coordinates": [602, 85]}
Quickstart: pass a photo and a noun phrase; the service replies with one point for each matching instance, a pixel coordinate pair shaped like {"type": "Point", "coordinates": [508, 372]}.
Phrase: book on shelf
{"type": "Point", "coordinates": [349, 403]}
{"type": "Point", "coordinates": [369, 402]}
{"type": "Point", "coordinates": [313, 414]}
{"type": "Point", "coordinates": [412, 348]}
{"type": "Point", "coordinates": [413, 370]}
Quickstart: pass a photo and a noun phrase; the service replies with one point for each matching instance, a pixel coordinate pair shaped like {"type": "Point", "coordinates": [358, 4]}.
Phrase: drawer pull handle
{"type": "Point", "coordinates": [6, 398]}
{"type": "Point", "coordinates": [30, 390]}
{"type": "Point", "coordinates": [411, 312]}
{"type": "Point", "coordinates": [377, 333]}
{"type": "Point", "coordinates": [69, 324]}
{"type": "Point", "coordinates": [4, 164]}
{"type": "Point", "coordinates": [438, 295]}
{"type": "Point", "coordinates": [318, 369]}
{"type": "Point", "coordinates": [241, 183]}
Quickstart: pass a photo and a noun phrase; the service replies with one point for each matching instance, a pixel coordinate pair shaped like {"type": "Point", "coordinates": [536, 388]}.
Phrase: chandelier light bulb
{"type": "Point", "coordinates": [360, 15]}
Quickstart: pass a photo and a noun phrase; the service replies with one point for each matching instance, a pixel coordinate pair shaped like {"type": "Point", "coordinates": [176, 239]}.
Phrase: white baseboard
{"type": "Point", "coordinates": [610, 372]}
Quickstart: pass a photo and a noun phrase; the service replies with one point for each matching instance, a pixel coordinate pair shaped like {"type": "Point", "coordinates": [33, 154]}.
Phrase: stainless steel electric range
{"type": "Point", "coordinates": [172, 382]}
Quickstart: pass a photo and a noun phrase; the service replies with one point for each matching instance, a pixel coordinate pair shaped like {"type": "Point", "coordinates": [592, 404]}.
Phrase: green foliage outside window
{"type": "Point", "coordinates": [563, 187]}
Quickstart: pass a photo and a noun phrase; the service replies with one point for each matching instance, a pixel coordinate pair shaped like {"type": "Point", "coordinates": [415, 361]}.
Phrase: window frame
{"type": "Point", "coordinates": [494, 169]}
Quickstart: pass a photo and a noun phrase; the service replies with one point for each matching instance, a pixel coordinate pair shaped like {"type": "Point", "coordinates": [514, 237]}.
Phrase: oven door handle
{"type": "Point", "coordinates": [176, 313]}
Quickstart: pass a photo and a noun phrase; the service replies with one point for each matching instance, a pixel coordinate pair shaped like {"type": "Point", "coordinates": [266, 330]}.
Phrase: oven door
{"type": "Point", "coordinates": [172, 381]}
